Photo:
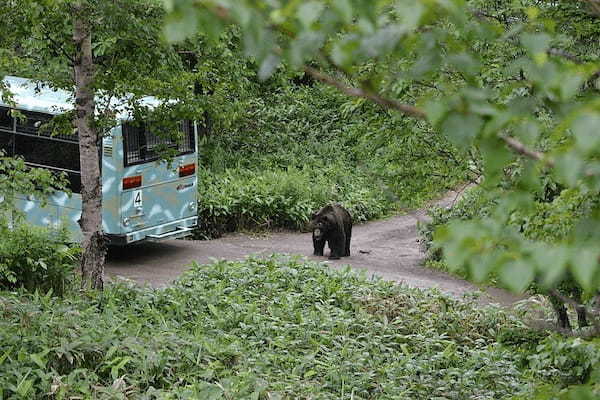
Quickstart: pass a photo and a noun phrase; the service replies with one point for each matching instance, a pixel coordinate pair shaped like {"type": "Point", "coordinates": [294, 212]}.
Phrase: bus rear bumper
{"type": "Point", "coordinates": [172, 230]}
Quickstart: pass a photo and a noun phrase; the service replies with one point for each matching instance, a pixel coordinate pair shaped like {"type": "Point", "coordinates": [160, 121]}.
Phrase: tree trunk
{"type": "Point", "coordinates": [94, 249]}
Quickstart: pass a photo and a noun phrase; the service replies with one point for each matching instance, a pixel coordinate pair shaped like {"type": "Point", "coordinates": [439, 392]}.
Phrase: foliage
{"type": "Point", "coordinates": [131, 58]}
{"type": "Point", "coordinates": [30, 257]}
{"type": "Point", "coordinates": [501, 76]}
{"type": "Point", "coordinates": [243, 198]}
{"type": "Point", "coordinates": [273, 328]}
{"type": "Point", "coordinates": [36, 258]}
{"type": "Point", "coordinates": [570, 360]}
{"type": "Point", "coordinates": [306, 135]}
{"type": "Point", "coordinates": [16, 178]}
{"type": "Point", "coordinates": [468, 204]}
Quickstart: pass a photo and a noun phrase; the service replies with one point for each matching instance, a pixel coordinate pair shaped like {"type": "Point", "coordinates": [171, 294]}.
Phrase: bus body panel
{"type": "Point", "coordinates": [38, 213]}
{"type": "Point", "coordinates": [59, 209]}
{"type": "Point", "coordinates": [112, 172]}
{"type": "Point", "coordinates": [169, 201]}
{"type": "Point", "coordinates": [163, 203]}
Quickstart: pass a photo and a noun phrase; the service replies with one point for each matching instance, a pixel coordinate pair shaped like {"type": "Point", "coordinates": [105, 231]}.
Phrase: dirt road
{"type": "Point", "coordinates": [386, 248]}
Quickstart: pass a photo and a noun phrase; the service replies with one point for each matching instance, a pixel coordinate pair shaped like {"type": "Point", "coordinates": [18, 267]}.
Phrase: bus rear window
{"type": "Point", "coordinates": [142, 146]}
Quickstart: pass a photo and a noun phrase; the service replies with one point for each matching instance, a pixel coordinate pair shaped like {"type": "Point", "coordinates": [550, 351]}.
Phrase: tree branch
{"type": "Point", "coordinates": [412, 111]}
{"type": "Point", "coordinates": [594, 6]}
{"type": "Point", "coordinates": [564, 54]}
{"type": "Point", "coordinates": [520, 148]}
{"type": "Point", "coordinates": [57, 46]}
{"type": "Point", "coordinates": [592, 310]}
{"type": "Point", "coordinates": [386, 103]}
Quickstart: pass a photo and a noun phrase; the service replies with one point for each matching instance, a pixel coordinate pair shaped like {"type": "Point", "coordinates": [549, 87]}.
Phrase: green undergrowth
{"type": "Point", "coordinates": [33, 257]}
{"type": "Point", "coordinates": [274, 328]}
{"type": "Point", "coordinates": [242, 198]}
{"type": "Point", "coordinates": [295, 148]}
{"type": "Point", "coordinates": [472, 203]}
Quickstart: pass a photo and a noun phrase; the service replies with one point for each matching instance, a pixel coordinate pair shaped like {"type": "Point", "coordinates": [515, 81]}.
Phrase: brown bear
{"type": "Point", "coordinates": [332, 224]}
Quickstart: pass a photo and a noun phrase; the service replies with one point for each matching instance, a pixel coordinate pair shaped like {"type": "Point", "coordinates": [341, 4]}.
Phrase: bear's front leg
{"type": "Point", "coordinates": [319, 245]}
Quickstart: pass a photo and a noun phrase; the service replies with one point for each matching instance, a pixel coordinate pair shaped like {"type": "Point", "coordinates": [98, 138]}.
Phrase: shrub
{"type": "Point", "coordinates": [244, 198]}
{"type": "Point", "coordinates": [261, 328]}
{"type": "Point", "coordinates": [298, 148]}
{"type": "Point", "coordinates": [567, 361]}
{"type": "Point", "coordinates": [472, 203]}
{"type": "Point", "coordinates": [35, 258]}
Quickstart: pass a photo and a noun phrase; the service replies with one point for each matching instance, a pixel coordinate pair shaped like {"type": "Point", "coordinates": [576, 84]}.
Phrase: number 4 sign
{"type": "Point", "coordinates": [137, 198]}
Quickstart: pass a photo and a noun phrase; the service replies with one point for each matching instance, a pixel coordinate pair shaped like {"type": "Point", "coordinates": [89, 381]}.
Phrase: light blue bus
{"type": "Point", "coordinates": [143, 197]}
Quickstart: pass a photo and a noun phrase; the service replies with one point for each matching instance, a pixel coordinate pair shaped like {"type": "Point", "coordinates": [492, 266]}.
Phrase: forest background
{"type": "Point", "coordinates": [441, 93]}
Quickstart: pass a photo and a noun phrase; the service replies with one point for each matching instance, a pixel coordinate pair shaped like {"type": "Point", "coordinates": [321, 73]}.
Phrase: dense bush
{"type": "Point", "coordinates": [35, 258]}
{"type": "Point", "coordinates": [271, 328]}
{"type": "Point", "coordinates": [242, 198]}
{"type": "Point", "coordinates": [299, 147]}
{"type": "Point", "coordinates": [472, 203]}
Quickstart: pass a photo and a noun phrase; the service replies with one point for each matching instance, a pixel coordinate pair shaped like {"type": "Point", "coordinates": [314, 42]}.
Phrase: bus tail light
{"type": "Point", "coordinates": [132, 182]}
{"type": "Point", "coordinates": [187, 170]}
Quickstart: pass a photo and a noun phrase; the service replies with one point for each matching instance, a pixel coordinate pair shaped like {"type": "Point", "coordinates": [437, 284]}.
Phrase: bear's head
{"type": "Point", "coordinates": [321, 224]}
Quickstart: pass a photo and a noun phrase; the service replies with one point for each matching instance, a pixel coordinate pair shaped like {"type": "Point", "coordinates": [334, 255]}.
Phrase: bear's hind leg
{"type": "Point", "coordinates": [337, 246]}
{"type": "Point", "coordinates": [348, 237]}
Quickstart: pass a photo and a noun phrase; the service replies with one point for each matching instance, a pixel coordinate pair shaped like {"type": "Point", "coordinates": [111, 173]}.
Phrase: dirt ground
{"type": "Point", "coordinates": [386, 248]}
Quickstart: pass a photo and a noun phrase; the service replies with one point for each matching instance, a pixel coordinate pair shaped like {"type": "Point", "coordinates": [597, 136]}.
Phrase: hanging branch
{"type": "Point", "coordinates": [366, 94]}
{"type": "Point", "coordinates": [391, 104]}
{"type": "Point", "coordinates": [57, 46]}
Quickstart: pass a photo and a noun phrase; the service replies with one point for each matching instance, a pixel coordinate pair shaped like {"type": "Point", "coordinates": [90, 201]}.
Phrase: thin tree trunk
{"type": "Point", "coordinates": [94, 249]}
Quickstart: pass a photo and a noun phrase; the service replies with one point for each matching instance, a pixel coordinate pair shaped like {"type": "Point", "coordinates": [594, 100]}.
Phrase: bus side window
{"type": "Point", "coordinates": [32, 122]}
{"type": "Point", "coordinates": [6, 120]}
{"type": "Point", "coordinates": [6, 131]}
{"type": "Point", "coordinates": [6, 146]}
{"type": "Point", "coordinates": [56, 153]}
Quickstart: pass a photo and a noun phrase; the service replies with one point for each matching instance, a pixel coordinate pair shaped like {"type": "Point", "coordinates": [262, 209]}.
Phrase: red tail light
{"type": "Point", "coordinates": [187, 170]}
{"type": "Point", "coordinates": [132, 182]}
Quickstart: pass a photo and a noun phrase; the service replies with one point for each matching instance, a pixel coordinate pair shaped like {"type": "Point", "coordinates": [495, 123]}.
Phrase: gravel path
{"type": "Point", "coordinates": [386, 248]}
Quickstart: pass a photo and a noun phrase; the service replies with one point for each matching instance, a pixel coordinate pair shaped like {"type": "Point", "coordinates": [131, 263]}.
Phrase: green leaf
{"type": "Point", "coordinates": [36, 358]}
{"type": "Point", "coordinates": [181, 25]}
{"type": "Point", "coordinates": [569, 167]}
{"type": "Point", "coordinates": [304, 47]}
{"type": "Point", "coordinates": [462, 129]}
{"type": "Point", "coordinates": [268, 66]}
{"type": "Point", "coordinates": [344, 10]}
{"type": "Point", "coordinates": [465, 63]}
{"type": "Point", "coordinates": [552, 263]}
{"type": "Point", "coordinates": [343, 51]}
{"type": "Point", "coordinates": [585, 129]}
{"type": "Point", "coordinates": [24, 385]}
{"type": "Point", "coordinates": [210, 392]}
{"type": "Point", "coordinates": [535, 43]}
{"type": "Point", "coordinates": [309, 12]}
{"type": "Point", "coordinates": [495, 158]}
{"type": "Point", "coordinates": [435, 110]}
{"type": "Point", "coordinates": [481, 267]}
{"type": "Point", "coordinates": [410, 13]}
{"type": "Point", "coordinates": [517, 275]}
{"type": "Point", "coordinates": [114, 371]}
{"type": "Point", "coordinates": [584, 264]}
{"type": "Point", "coordinates": [5, 356]}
